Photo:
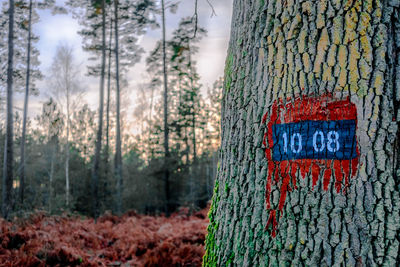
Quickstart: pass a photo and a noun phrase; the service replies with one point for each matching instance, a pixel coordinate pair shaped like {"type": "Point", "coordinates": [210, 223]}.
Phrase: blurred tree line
{"type": "Point", "coordinates": [72, 158]}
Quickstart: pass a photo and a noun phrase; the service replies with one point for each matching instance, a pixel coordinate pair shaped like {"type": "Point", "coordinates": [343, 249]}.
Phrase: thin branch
{"type": "Point", "coordinates": [196, 18]}
{"type": "Point", "coordinates": [171, 4]}
{"type": "Point", "coordinates": [213, 13]}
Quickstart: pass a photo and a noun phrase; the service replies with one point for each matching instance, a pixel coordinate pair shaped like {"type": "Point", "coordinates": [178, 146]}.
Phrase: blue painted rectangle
{"type": "Point", "coordinates": [319, 140]}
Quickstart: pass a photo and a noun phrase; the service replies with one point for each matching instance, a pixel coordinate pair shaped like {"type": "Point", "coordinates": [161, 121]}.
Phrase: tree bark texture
{"type": "Point", "coordinates": [287, 62]}
{"type": "Point", "coordinates": [9, 151]}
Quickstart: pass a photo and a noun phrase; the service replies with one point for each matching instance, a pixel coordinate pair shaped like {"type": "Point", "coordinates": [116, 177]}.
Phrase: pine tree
{"type": "Point", "coordinates": [184, 47]}
{"type": "Point", "coordinates": [100, 5]}
{"type": "Point", "coordinates": [51, 122]}
{"type": "Point", "coordinates": [133, 20]}
{"type": "Point", "coordinates": [126, 20]}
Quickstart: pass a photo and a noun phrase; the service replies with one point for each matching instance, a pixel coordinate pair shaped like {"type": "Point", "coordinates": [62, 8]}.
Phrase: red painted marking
{"type": "Point", "coordinates": [324, 108]}
{"type": "Point", "coordinates": [272, 220]}
{"type": "Point", "coordinates": [337, 166]}
{"type": "Point", "coordinates": [315, 170]}
{"type": "Point", "coordinates": [327, 175]}
{"type": "Point", "coordinates": [346, 172]}
{"type": "Point", "coordinates": [293, 170]}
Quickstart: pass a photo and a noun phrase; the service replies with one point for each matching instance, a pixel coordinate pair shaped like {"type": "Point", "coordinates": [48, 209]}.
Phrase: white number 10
{"type": "Point", "coordinates": [292, 143]}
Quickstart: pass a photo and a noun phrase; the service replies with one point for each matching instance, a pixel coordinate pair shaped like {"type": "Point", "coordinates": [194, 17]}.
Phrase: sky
{"type": "Point", "coordinates": [57, 29]}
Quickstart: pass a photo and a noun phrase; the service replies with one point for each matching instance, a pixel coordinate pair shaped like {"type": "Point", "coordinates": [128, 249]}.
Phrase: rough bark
{"type": "Point", "coordinates": [9, 151]}
{"type": "Point", "coordinates": [23, 138]}
{"type": "Point", "coordinates": [282, 51]}
{"type": "Point", "coordinates": [118, 152]}
{"type": "Point", "coordinates": [96, 163]}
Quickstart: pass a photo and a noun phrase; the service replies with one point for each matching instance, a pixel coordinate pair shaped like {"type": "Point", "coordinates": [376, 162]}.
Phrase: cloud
{"type": "Point", "coordinates": [63, 28]}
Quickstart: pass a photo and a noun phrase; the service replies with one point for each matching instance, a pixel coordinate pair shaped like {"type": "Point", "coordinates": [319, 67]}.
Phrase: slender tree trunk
{"type": "Point", "coordinates": [151, 104]}
{"type": "Point", "coordinates": [67, 152]}
{"type": "Point", "coordinates": [118, 153]}
{"type": "Point", "coordinates": [150, 122]}
{"type": "Point", "coordinates": [194, 135]}
{"type": "Point", "coordinates": [23, 138]}
{"type": "Point", "coordinates": [96, 163]}
{"type": "Point", "coordinates": [194, 105]}
{"type": "Point", "coordinates": [107, 150]}
{"type": "Point", "coordinates": [193, 119]}
{"type": "Point", "coordinates": [187, 146]}
{"type": "Point", "coordinates": [186, 139]}
{"type": "Point", "coordinates": [297, 69]}
{"type": "Point", "coordinates": [166, 127]}
{"type": "Point", "coordinates": [51, 177]}
{"type": "Point", "coordinates": [9, 155]}
{"type": "Point", "coordinates": [108, 94]}
{"type": "Point", "coordinates": [4, 184]}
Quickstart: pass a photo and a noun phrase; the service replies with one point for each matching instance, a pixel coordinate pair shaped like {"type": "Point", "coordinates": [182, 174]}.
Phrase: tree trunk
{"type": "Point", "coordinates": [192, 74]}
{"type": "Point", "coordinates": [28, 70]}
{"type": "Point", "coordinates": [9, 155]}
{"type": "Point", "coordinates": [51, 175]}
{"type": "Point", "coordinates": [96, 163]}
{"type": "Point", "coordinates": [108, 96]}
{"type": "Point", "coordinates": [149, 123]}
{"type": "Point", "coordinates": [309, 168]}
{"type": "Point", "coordinates": [107, 150]}
{"type": "Point", "coordinates": [166, 127]}
{"type": "Point", "coordinates": [67, 153]}
{"type": "Point", "coordinates": [118, 153]}
{"type": "Point", "coordinates": [68, 97]}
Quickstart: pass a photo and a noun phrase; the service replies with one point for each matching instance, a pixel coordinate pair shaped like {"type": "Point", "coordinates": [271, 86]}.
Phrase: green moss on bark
{"type": "Point", "coordinates": [209, 258]}
{"type": "Point", "coordinates": [228, 72]}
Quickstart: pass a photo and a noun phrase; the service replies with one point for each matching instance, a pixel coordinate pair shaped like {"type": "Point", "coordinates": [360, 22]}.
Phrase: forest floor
{"type": "Point", "coordinates": [129, 240]}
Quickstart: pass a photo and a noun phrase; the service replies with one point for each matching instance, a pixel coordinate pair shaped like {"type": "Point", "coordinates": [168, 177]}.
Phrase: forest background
{"type": "Point", "coordinates": [70, 154]}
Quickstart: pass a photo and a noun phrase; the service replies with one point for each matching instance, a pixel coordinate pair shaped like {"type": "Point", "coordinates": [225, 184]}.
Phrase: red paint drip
{"type": "Point", "coordinates": [294, 167]}
{"type": "Point", "coordinates": [315, 171]}
{"type": "Point", "coordinates": [354, 165]}
{"type": "Point", "coordinates": [346, 172]}
{"type": "Point", "coordinates": [337, 166]}
{"type": "Point", "coordinates": [305, 165]}
{"type": "Point", "coordinates": [327, 174]}
{"type": "Point", "coordinates": [323, 108]}
{"type": "Point", "coordinates": [285, 183]}
{"type": "Point", "coordinates": [272, 220]}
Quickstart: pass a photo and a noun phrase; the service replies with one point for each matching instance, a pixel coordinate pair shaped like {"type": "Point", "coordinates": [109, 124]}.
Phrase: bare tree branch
{"type": "Point", "coordinates": [213, 13]}
{"type": "Point", "coordinates": [195, 18]}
